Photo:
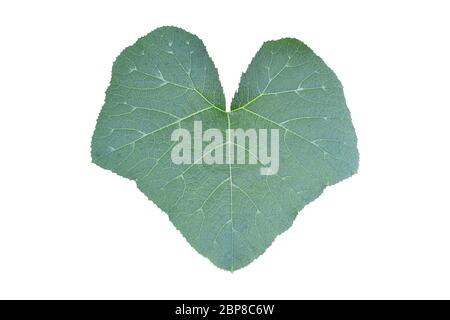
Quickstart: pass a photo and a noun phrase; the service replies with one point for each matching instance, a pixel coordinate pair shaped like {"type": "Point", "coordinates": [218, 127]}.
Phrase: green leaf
{"type": "Point", "coordinates": [229, 213]}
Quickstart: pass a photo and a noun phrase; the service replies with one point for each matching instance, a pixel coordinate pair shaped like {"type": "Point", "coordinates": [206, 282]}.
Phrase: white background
{"type": "Point", "coordinates": [69, 229]}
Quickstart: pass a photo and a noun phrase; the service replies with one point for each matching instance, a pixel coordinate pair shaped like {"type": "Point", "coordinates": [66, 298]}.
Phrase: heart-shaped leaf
{"type": "Point", "coordinates": [230, 212]}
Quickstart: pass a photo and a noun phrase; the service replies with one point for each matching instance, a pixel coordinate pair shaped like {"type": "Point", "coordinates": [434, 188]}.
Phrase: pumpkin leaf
{"type": "Point", "coordinates": [229, 212]}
